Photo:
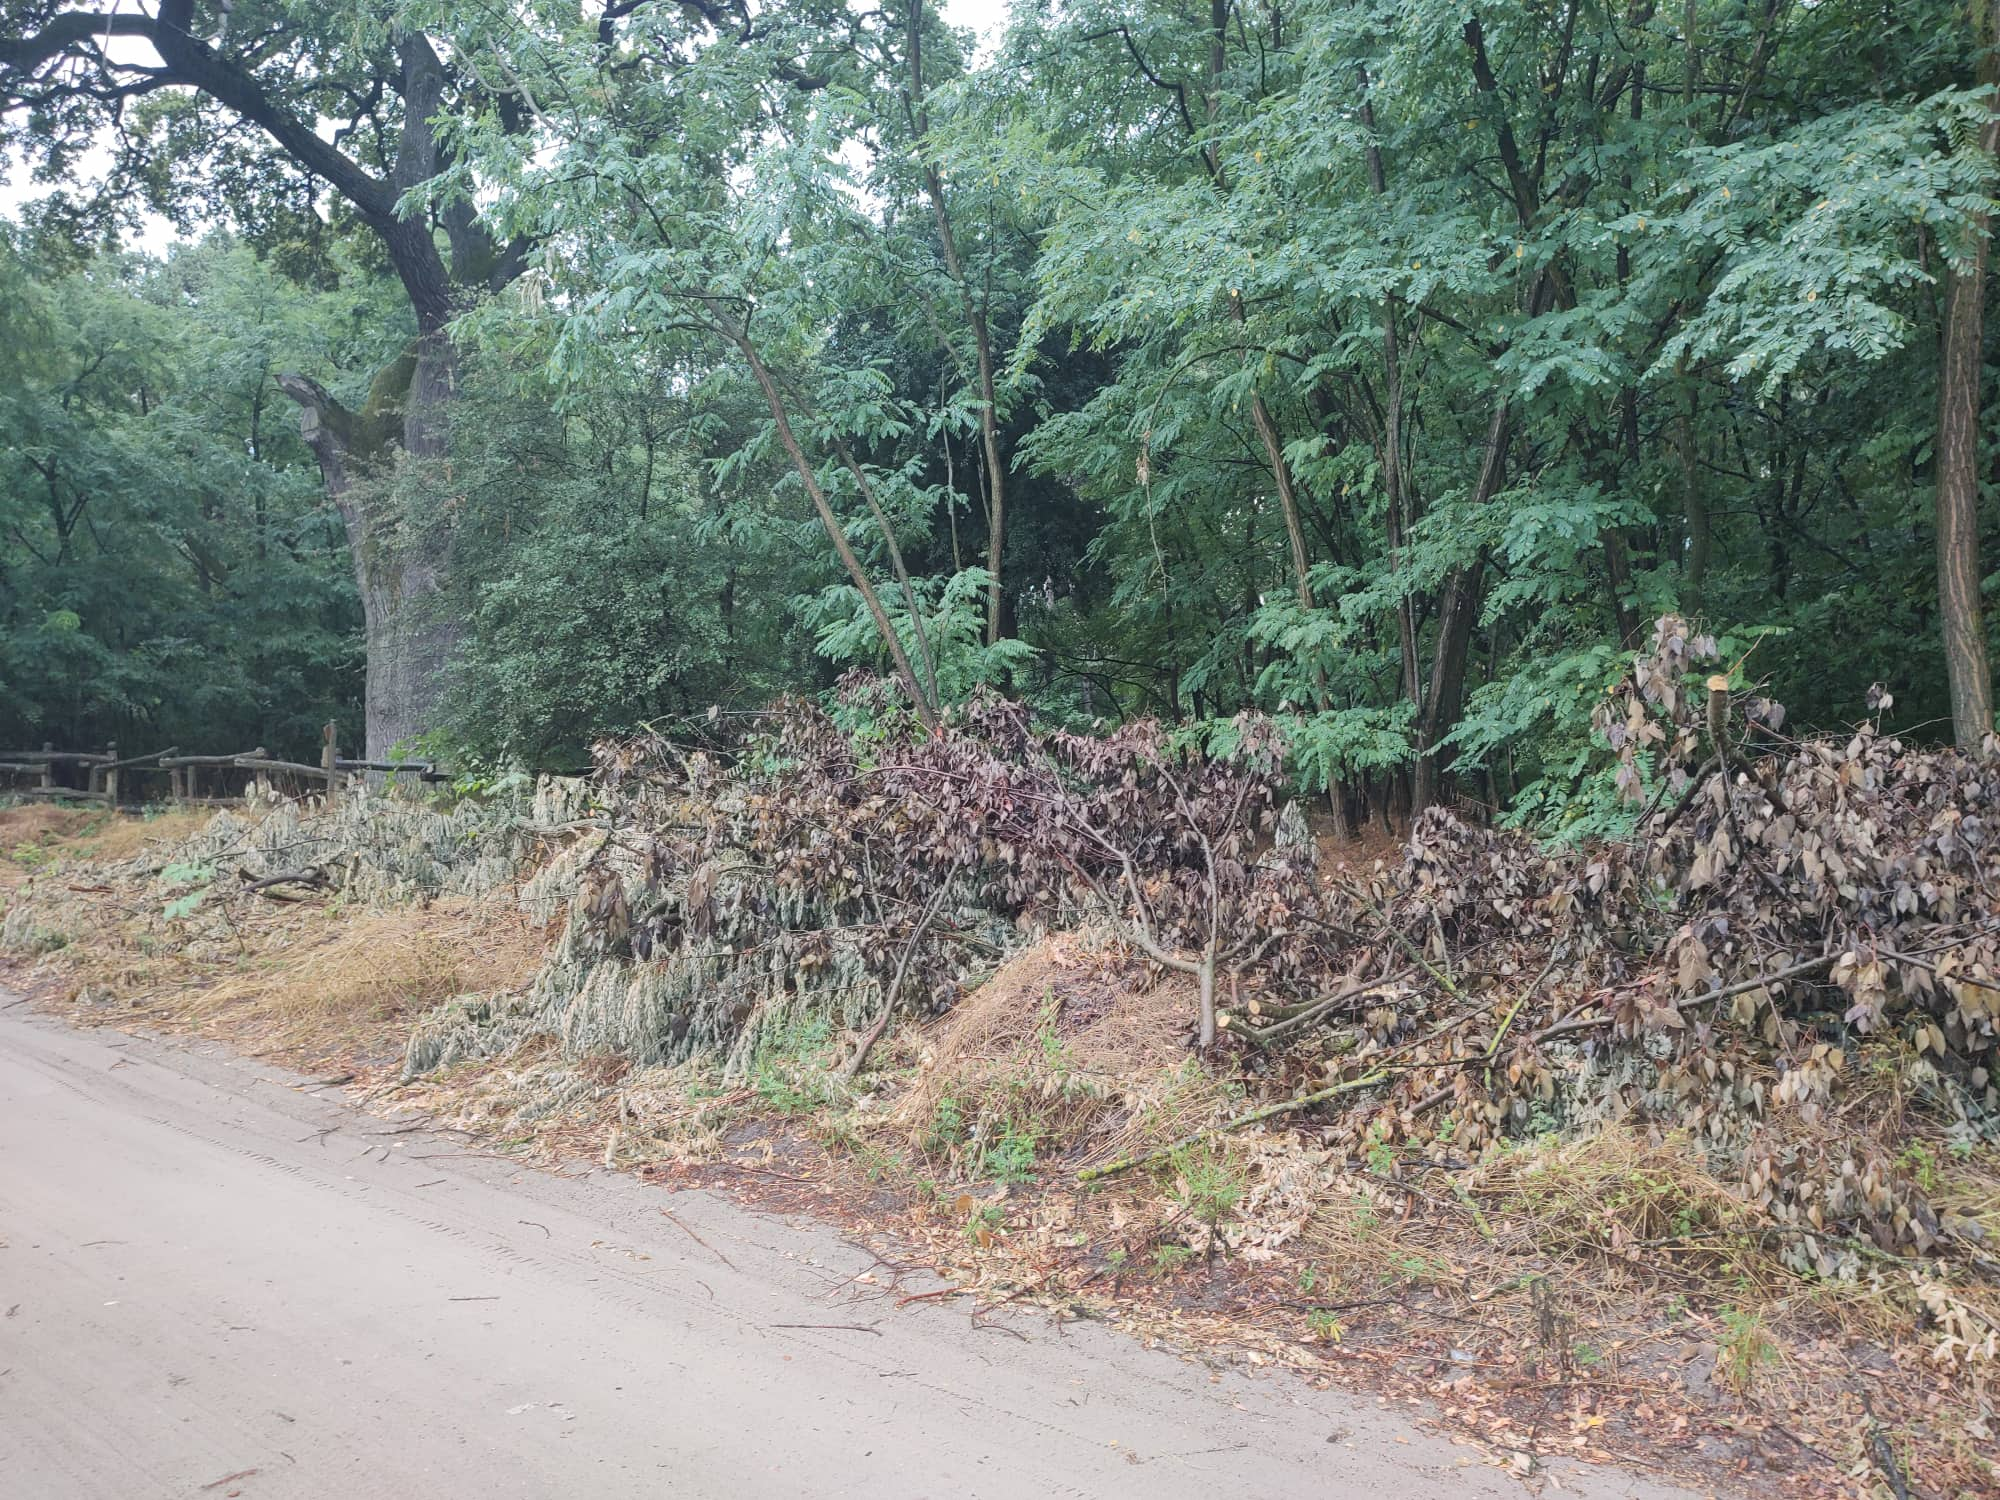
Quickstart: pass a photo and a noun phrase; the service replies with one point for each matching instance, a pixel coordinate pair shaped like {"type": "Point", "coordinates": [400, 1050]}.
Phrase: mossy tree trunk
{"type": "Point", "coordinates": [399, 570]}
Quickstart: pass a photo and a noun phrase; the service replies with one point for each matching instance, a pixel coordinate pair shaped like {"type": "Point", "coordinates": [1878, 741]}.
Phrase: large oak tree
{"type": "Point", "coordinates": [306, 115]}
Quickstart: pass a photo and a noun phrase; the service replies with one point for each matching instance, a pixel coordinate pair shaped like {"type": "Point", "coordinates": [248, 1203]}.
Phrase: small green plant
{"type": "Point", "coordinates": [783, 1092]}
{"type": "Point", "coordinates": [1325, 1325]}
{"type": "Point", "coordinates": [1011, 1158]}
{"type": "Point", "coordinates": [1746, 1348]}
{"type": "Point", "coordinates": [1208, 1185]}
{"type": "Point", "coordinates": [983, 1223]}
{"type": "Point", "coordinates": [1168, 1259]}
{"type": "Point", "coordinates": [1921, 1163]}
{"type": "Point", "coordinates": [947, 1127]}
{"type": "Point", "coordinates": [877, 1161]}
{"type": "Point", "coordinates": [1415, 1267]}
{"type": "Point", "coordinates": [193, 880]}
{"type": "Point", "coordinates": [1116, 1259]}
{"type": "Point", "coordinates": [1381, 1155]}
{"type": "Point", "coordinates": [1308, 1278]}
{"type": "Point", "coordinates": [1055, 1052]}
{"type": "Point", "coordinates": [788, 1073]}
{"type": "Point", "coordinates": [1365, 1218]}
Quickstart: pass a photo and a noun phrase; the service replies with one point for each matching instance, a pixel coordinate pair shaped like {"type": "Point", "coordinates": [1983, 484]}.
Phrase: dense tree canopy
{"type": "Point", "coordinates": [168, 570]}
{"type": "Point", "coordinates": [1384, 366]}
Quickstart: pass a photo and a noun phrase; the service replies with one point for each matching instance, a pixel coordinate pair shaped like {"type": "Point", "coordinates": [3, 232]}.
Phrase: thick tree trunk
{"type": "Point", "coordinates": [399, 574]}
{"type": "Point", "coordinates": [401, 571]}
{"type": "Point", "coordinates": [409, 641]}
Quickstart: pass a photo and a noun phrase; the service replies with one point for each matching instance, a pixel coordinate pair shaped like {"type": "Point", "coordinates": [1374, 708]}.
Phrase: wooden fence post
{"type": "Point", "coordinates": [48, 764]}
{"type": "Point", "coordinates": [111, 777]}
{"type": "Point", "coordinates": [328, 754]}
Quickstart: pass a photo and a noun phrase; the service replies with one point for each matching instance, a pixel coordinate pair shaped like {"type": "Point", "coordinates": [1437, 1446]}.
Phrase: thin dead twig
{"type": "Point", "coordinates": [689, 1231]}
{"type": "Point", "coordinates": [860, 1058]}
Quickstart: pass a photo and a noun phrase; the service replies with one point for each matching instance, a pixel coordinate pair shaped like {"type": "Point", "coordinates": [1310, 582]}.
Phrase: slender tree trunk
{"type": "Point", "coordinates": [835, 533]}
{"type": "Point", "coordinates": [982, 337]}
{"type": "Point", "coordinates": [1694, 506]}
{"type": "Point", "coordinates": [1392, 437]}
{"type": "Point", "coordinates": [1458, 609]}
{"type": "Point", "coordinates": [1618, 580]}
{"type": "Point", "coordinates": [1965, 658]}
{"type": "Point", "coordinates": [1961, 366]}
{"type": "Point", "coordinates": [895, 549]}
{"type": "Point", "coordinates": [1458, 612]}
{"type": "Point", "coordinates": [1616, 563]}
{"type": "Point", "coordinates": [1260, 414]}
{"type": "Point", "coordinates": [1288, 503]}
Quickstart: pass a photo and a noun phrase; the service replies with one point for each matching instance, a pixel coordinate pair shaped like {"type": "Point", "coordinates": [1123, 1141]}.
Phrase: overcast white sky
{"type": "Point", "coordinates": [986, 17]}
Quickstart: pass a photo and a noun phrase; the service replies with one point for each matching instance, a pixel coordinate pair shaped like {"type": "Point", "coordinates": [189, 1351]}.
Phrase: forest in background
{"type": "Point", "coordinates": [1385, 368]}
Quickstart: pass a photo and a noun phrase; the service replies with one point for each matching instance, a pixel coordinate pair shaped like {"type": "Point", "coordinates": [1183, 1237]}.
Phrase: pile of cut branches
{"type": "Point", "coordinates": [1795, 954]}
{"type": "Point", "coordinates": [801, 872]}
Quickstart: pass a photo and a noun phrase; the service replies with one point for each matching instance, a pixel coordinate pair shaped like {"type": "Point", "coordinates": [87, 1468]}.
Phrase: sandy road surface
{"type": "Point", "coordinates": [212, 1283]}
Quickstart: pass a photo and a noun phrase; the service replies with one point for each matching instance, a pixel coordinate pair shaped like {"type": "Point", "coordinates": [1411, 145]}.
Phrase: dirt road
{"type": "Point", "coordinates": [217, 1283]}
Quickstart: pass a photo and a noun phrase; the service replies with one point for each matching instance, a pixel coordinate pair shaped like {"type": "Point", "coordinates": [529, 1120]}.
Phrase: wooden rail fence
{"type": "Point", "coordinates": [110, 776]}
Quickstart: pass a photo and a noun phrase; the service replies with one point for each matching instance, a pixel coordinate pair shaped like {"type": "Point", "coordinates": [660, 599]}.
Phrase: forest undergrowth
{"type": "Point", "coordinates": [1678, 1151]}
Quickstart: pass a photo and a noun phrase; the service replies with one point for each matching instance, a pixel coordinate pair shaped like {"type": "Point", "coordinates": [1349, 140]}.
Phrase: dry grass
{"type": "Point", "coordinates": [1059, 1049]}
{"type": "Point", "coordinates": [307, 980]}
{"type": "Point", "coordinates": [124, 836]}
{"type": "Point", "coordinates": [347, 984]}
{"type": "Point", "coordinates": [35, 835]}
{"type": "Point", "coordinates": [39, 824]}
